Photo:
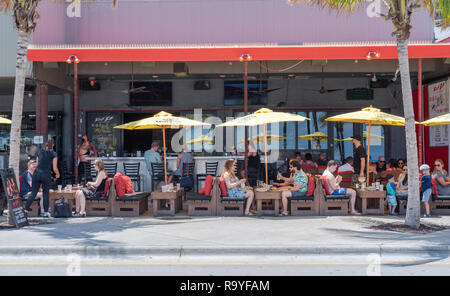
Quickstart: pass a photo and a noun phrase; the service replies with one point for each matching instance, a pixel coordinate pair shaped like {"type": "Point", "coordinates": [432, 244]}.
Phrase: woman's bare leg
{"type": "Point", "coordinates": [250, 196]}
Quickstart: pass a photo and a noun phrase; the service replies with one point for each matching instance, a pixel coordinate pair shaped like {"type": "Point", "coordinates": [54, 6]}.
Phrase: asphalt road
{"type": "Point", "coordinates": [367, 265]}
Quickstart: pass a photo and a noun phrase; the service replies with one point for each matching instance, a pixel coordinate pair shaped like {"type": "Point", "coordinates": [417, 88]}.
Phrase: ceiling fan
{"type": "Point", "coordinates": [322, 89]}
{"type": "Point", "coordinates": [132, 89]}
{"type": "Point", "coordinates": [261, 90]}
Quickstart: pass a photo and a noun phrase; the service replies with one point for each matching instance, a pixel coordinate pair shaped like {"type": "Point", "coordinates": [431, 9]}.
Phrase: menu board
{"type": "Point", "coordinates": [14, 201]}
{"type": "Point", "coordinates": [101, 131]}
{"type": "Point", "coordinates": [438, 101]}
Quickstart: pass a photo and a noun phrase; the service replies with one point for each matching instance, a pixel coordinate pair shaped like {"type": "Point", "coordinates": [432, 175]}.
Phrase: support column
{"type": "Point", "coordinates": [42, 110]}
{"type": "Point", "coordinates": [68, 130]}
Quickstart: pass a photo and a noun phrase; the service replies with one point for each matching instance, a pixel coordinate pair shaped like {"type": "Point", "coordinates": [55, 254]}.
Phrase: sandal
{"type": "Point", "coordinates": [355, 213]}
{"type": "Point", "coordinates": [249, 214]}
{"type": "Point", "coordinates": [283, 214]}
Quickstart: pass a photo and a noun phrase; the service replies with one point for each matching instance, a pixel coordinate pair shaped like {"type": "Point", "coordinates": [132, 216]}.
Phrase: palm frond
{"type": "Point", "coordinates": [440, 10]}
{"type": "Point", "coordinates": [5, 5]}
{"type": "Point", "coordinates": [334, 5]}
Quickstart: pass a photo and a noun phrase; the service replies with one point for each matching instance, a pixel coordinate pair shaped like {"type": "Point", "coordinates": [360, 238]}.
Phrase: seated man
{"type": "Point", "coordinates": [152, 156]}
{"type": "Point", "coordinates": [300, 187]}
{"type": "Point", "coordinates": [335, 189]}
{"type": "Point", "coordinates": [381, 164]}
{"type": "Point", "coordinates": [26, 183]}
{"type": "Point", "coordinates": [309, 162]}
{"type": "Point", "coordinates": [322, 161]}
{"type": "Point", "coordinates": [348, 166]}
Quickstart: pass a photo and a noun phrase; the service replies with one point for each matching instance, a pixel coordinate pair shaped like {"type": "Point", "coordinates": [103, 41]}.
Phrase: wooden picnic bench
{"type": "Point", "coordinates": [201, 205]}
{"type": "Point", "coordinates": [331, 205]}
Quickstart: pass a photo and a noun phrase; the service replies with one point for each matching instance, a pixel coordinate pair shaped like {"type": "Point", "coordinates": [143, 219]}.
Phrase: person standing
{"type": "Point", "coordinates": [85, 150]}
{"type": "Point", "coordinates": [360, 156]}
{"type": "Point", "coordinates": [391, 194]}
{"type": "Point", "coordinates": [47, 160]}
{"type": "Point", "coordinates": [426, 188]}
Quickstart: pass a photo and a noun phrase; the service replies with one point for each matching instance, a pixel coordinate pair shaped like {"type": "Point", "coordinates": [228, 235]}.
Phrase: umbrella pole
{"type": "Point", "coordinates": [164, 147]}
{"type": "Point", "coordinates": [368, 157]}
{"type": "Point", "coordinates": [265, 152]}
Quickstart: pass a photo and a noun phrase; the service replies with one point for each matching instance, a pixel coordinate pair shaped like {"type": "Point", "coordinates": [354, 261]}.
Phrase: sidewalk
{"type": "Point", "coordinates": [219, 235]}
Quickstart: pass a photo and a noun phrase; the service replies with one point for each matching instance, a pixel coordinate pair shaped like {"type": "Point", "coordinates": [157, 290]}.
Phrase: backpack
{"type": "Point", "coordinates": [62, 209]}
{"type": "Point", "coordinates": [123, 184]}
{"type": "Point", "coordinates": [187, 182]}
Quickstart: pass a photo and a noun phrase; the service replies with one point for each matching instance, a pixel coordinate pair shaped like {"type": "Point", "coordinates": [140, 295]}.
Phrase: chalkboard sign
{"type": "Point", "coordinates": [15, 207]}
{"type": "Point", "coordinates": [101, 131]}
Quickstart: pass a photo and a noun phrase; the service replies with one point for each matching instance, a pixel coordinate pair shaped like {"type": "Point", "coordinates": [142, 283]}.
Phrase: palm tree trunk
{"type": "Point", "coordinates": [413, 210]}
{"type": "Point", "coordinates": [14, 156]}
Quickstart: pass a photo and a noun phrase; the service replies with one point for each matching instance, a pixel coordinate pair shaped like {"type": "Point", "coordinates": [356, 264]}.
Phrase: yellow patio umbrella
{"type": "Point", "coordinates": [438, 120]}
{"type": "Point", "coordinates": [317, 136]}
{"type": "Point", "coordinates": [4, 120]}
{"type": "Point", "coordinates": [365, 137]}
{"type": "Point", "coordinates": [203, 139]}
{"type": "Point", "coordinates": [162, 120]}
{"type": "Point", "coordinates": [258, 139]}
{"type": "Point", "coordinates": [369, 116]}
{"type": "Point", "coordinates": [263, 117]}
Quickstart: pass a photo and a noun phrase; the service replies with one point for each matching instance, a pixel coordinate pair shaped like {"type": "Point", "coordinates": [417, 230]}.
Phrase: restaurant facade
{"type": "Point", "coordinates": [189, 58]}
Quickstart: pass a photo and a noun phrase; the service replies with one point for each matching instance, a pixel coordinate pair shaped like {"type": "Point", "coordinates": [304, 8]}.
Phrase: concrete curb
{"type": "Point", "coordinates": [217, 251]}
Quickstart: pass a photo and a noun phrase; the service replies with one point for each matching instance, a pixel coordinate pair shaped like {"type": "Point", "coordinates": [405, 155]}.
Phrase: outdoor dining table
{"type": "Point", "coordinates": [270, 195]}
{"type": "Point", "coordinates": [174, 198]}
{"type": "Point", "coordinates": [371, 201]}
{"type": "Point", "coordinates": [69, 196]}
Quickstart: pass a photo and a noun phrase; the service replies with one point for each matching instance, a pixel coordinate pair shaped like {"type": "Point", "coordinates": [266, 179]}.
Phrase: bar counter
{"type": "Point", "coordinates": [146, 184]}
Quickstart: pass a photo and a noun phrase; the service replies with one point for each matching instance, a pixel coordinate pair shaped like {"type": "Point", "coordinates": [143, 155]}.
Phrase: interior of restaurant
{"type": "Point", "coordinates": [314, 89]}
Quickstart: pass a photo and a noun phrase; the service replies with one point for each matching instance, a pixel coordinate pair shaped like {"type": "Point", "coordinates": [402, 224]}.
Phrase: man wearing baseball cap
{"type": "Point", "coordinates": [359, 156]}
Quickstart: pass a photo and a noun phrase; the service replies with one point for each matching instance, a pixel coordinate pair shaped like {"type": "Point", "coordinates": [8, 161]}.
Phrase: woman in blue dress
{"type": "Point", "coordinates": [233, 184]}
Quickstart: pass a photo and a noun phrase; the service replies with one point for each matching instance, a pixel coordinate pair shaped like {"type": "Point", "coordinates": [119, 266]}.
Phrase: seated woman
{"type": "Point", "coordinates": [402, 184]}
{"type": "Point", "coordinates": [335, 189]}
{"type": "Point", "coordinates": [233, 184]}
{"type": "Point", "coordinates": [93, 189]}
{"type": "Point", "coordinates": [401, 162]}
{"type": "Point", "coordinates": [442, 178]}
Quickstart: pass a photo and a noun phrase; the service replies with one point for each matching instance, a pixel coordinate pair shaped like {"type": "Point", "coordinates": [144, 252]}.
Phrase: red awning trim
{"type": "Point", "coordinates": [186, 53]}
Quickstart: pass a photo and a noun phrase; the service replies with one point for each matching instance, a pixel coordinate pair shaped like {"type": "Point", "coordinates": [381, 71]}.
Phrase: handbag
{"type": "Point", "coordinates": [62, 209]}
{"type": "Point", "coordinates": [187, 182]}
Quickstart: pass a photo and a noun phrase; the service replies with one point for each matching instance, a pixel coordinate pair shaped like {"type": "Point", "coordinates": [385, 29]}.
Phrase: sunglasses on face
{"type": "Point", "coordinates": [437, 165]}
{"type": "Point", "coordinates": [382, 161]}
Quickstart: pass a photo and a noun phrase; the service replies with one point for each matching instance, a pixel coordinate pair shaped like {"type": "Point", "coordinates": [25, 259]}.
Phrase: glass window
{"type": "Point", "coordinates": [376, 141]}
{"type": "Point", "coordinates": [316, 123]}
{"type": "Point", "coordinates": [199, 133]}
{"type": "Point", "coordinates": [343, 144]}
